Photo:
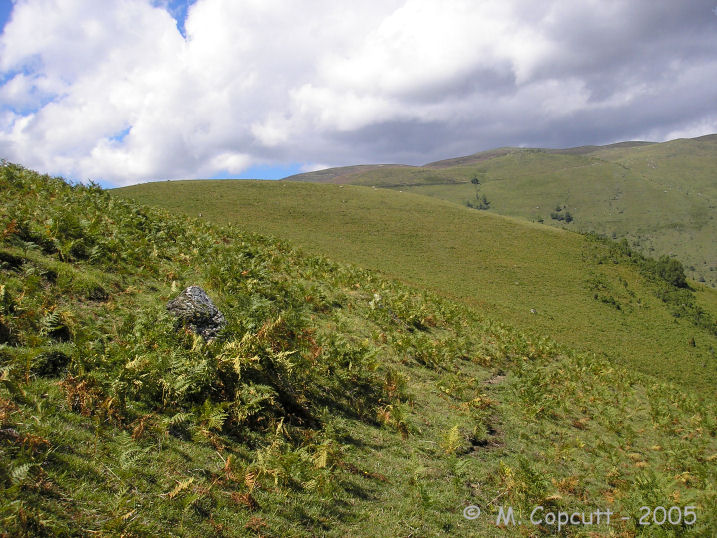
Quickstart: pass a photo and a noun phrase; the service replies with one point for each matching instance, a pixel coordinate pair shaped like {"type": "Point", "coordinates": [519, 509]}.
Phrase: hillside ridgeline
{"type": "Point", "coordinates": [661, 197]}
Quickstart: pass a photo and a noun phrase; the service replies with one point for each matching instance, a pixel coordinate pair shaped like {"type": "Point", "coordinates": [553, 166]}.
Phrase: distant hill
{"type": "Point", "coordinates": [354, 173]}
{"type": "Point", "coordinates": [491, 154]}
{"type": "Point", "coordinates": [661, 197]}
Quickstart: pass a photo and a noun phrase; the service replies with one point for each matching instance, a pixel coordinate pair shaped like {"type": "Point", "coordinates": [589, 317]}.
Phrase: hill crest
{"type": "Point", "coordinates": [343, 174]}
{"type": "Point", "coordinates": [661, 197]}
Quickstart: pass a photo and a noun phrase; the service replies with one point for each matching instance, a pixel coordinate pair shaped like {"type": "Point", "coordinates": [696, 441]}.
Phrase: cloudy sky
{"type": "Point", "coordinates": [124, 91]}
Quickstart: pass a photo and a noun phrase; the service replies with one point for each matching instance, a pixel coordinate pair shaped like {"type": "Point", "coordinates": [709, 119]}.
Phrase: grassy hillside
{"type": "Point", "coordinates": [581, 292]}
{"type": "Point", "coordinates": [661, 197]}
{"type": "Point", "coordinates": [336, 402]}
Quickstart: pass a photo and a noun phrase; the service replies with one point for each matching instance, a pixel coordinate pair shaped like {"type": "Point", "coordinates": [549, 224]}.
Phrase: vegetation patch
{"type": "Point", "coordinates": [528, 275]}
{"type": "Point", "coordinates": [335, 401]}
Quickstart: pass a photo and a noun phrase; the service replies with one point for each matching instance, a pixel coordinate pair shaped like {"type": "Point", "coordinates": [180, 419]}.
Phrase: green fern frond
{"type": "Point", "coordinates": [19, 473]}
{"type": "Point", "coordinates": [179, 418]}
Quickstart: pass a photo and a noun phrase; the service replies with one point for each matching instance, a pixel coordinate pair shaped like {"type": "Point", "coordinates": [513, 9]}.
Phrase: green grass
{"type": "Point", "coordinates": [661, 197]}
{"type": "Point", "coordinates": [336, 402]}
{"type": "Point", "coordinates": [503, 267]}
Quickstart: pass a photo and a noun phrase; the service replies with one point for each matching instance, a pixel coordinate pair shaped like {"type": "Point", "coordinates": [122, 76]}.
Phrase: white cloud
{"type": "Point", "coordinates": [272, 131]}
{"type": "Point", "coordinates": [270, 81]}
{"type": "Point", "coordinates": [694, 129]}
{"type": "Point", "coordinates": [313, 167]}
{"type": "Point", "coordinates": [231, 162]}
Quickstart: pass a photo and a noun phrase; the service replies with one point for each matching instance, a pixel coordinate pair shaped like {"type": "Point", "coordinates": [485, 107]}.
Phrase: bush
{"type": "Point", "coordinates": [562, 217]}
{"type": "Point", "coordinates": [672, 271]}
{"type": "Point", "coordinates": [482, 202]}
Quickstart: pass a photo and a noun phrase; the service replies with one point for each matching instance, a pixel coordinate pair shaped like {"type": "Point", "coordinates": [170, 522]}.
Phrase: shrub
{"type": "Point", "coordinates": [672, 271]}
{"type": "Point", "coordinates": [482, 202]}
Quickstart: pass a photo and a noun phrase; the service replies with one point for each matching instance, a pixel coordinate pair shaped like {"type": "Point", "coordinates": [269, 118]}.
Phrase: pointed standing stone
{"type": "Point", "coordinates": [197, 311]}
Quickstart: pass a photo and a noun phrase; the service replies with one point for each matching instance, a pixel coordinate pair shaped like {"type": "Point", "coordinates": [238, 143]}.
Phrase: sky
{"type": "Point", "coordinates": [127, 91]}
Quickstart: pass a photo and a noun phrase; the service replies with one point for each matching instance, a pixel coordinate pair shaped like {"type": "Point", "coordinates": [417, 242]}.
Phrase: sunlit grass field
{"type": "Point", "coordinates": [536, 277]}
{"type": "Point", "coordinates": [337, 401]}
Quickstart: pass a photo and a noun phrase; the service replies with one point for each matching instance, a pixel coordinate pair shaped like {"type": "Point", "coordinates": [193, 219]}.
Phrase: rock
{"type": "Point", "coordinates": [197, 311]}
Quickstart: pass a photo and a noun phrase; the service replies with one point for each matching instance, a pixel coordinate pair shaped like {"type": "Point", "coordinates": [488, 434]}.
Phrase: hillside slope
{"type": "Point", "coordinates": [661, 197]}
{"type": "Point", "coordinates": [582, 292]}
{"type": "Point", "coordinates": [332, 396]}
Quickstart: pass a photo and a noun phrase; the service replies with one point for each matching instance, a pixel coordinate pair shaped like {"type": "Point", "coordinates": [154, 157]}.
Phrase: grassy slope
{"type": "Point", "coordinates": [336, 403]}
{"type": "Point", "coordinates": [502, 266]}
{"type": "Point", "coordinates": [662, 197]}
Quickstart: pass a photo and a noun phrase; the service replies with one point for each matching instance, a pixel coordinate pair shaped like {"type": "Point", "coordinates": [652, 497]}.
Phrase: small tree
{"type": "Point", "coordinates": [475, 180]}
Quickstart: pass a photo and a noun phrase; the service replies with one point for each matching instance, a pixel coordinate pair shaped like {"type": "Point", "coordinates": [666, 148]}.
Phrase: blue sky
{"type": "Point", "coordinates": [178, 10]}
{"type": "Point", "coordinates": [264, 171]}
{"type": "Point", "coordinates": [5, 10]}
{"type": "Point", "coordinates": [142, 90]}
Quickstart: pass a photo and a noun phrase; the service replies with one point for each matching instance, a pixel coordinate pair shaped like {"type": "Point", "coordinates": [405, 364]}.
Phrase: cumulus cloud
{"type": "Point", "coordinates": [136, 90]}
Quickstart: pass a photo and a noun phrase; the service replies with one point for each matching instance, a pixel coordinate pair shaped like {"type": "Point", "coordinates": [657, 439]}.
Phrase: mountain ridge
{"type": "Point", "coordinates": [660, 196]}
{"type": "Point", "coordinates": [326, 174]}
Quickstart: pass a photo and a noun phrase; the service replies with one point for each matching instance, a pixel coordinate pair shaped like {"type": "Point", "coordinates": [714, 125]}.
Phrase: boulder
{"type": "Point", "coordinates": [195, 310]}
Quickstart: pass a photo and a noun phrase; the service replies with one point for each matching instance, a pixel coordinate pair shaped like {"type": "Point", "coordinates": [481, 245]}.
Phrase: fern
{"type": "Point", "coordinates": [325, 454]}
{"type": "Point", "coordinates": [28, 246]}
{"type": "Point", "coordinates": [180, 487]}
{"type": "Point", "coordinates": [11, 385]}
{"type": "Point", "coordinates": [51, 322]}
{"type": "Point", "coordinates": [453, 440]}
{"type": "Point", "coordinates": [6, 302]}
{"type": "Point", "coordinates": [19, 473]}
{"type": "Point", "coordinates": [130, 454]}
{"type": "Point", "coordinates": [213, 416]}
{"type": "Point", "coordinates": [179, 418]}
